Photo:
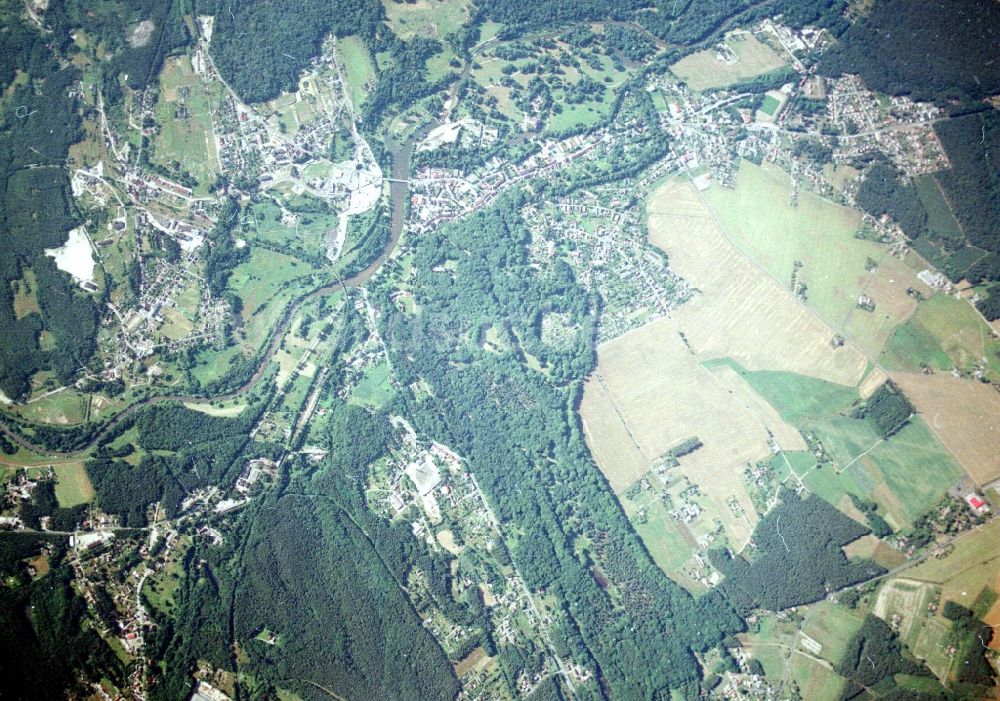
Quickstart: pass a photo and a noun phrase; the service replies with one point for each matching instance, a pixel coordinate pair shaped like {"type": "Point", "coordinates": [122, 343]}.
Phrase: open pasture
{"type": "Point", "coordinates": [185, 117]}
{"type": "Point", "coordinates": [705, 71]}
{"type": "Point", "coordinates": [814, 241]}
{"type": "Point", "coordinates": [905, 475]}
{"type": "Point", "coordinates": [663, 396]}
{"type": "Point", "coordinates": [73, 485]}
{"type": "Point", "coordinates": [832, 626]}
{"type": "Point", "coordinates": [359, 69]}
{"type": "Point", "coordinates": [944, 333]}
{"type": "Point", "coordinates": [434, 19]}
{"type": "Point", "coordinates": [965, 416]}
{"type": "Point", "coordinates": [740, 312]}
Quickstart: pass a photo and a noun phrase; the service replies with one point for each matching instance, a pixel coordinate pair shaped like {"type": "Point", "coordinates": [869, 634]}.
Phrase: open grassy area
{"type": "Point", "coordinates": [184, 114]}
{"type": "Point", "coordinates": [359, 69]}
{"type": "Point", "coordinates": [944, 333]}
{"type": "Point", "coordinates": [434, 19]}
{"type": "Point", "coordinates": [796, 397]}
{"type": "Point", "coordinates": [73, 485]}
{"type": "Point", "coordinates": [305, 232]}
{"type": "Point", "coordinates": [832, 626]}
{"type": "Point", "coordinates": [814, 241]}
{"type": "Point", "coordinates": [659, 533]}
{"type": "Point", "coordinates": [814, 680]}
{"type": "Point", "coordinates": [940, 219]}
{"type": "Point", "coordinates": [67, 407]}
{"type": "Point", "coordinates": [704, 71]}
{"type": "Point", "coordinates": [905, 475]}
{"type": "Point", "coordinates": [374, 389]}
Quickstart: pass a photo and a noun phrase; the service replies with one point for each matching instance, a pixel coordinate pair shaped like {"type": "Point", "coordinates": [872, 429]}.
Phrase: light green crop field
{"type": "Point", "coordinates": [73, 485]}
{"type": "Point", "coordinates": [359, 69]}
{"type": "Point", "coordinates": [374, 389]}
{"type": "Point", "coordinates": [940, 219]}
{"type": "Point", "coordinates": [659, 533]}
{"type": "Point", "coordinates": [758, 215]}
{"type": "Point", "coordinates": [945, 332]}
{"type": "Point", "coordinates": [905, 475]}
{"type": "Point", "coordinates": [797, 398]}
{"type": "Point", "coordinates": [703, 71]}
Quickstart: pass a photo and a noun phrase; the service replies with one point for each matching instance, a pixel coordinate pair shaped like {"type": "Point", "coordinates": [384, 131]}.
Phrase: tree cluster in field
{"type": "Point", "coordinates": [972, 638]}
{"type": "Point", "coordinates": [887, 409]}
{"type": "Point", "coordinates": [869, 508]}
{"type": "Point", "coordinates": [798, 558]}
{"type": "Point", "coordinates": [872, 658]}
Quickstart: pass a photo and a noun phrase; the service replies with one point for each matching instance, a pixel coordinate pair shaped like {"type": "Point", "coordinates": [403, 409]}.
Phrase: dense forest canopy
{"type": "Point", "coordinates": [933, 50]}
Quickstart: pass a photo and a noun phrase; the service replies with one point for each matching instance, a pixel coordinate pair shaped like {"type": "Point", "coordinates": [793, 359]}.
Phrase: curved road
{"type": "Point", "coordinates": [398, 190]}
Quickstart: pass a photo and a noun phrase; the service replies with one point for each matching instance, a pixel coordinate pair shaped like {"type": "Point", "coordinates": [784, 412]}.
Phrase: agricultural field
{"type": "Point", "coordinates": [72, 484]}
{"type": "Point", "coordinates": [905, 474]}
{"type": "Point", "coordinates": [814, 243]}
{"type": "Point", "coordinates": [965, 416]}
{"type": "Point", "coordinates": [614, 450]}
{"type": "Point", "coordinates": [706, 71]}
{"type": "Point", "coordinates": [186, 140]}
{"type": "Point", "coordinates": [359, 69]}
{"type": "Point", "coordinates": [740, 312]}
{"type": "Point", "coordinates": [945, 333]}
{"type": "Point", "coordinates": [868, 547]}
{"type": "Point", "coordinates": [971, 565]}
{"type": "Point", "coordinates": [674, 399]}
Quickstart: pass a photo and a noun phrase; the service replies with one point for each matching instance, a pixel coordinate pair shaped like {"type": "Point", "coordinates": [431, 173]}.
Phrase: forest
{"type": "Point", "coordinates": [533, 463]}
{"type": "Point", "coordinates": [798, 557]}
{"type": "Point", "coordinates": [35, 214]}
{"type": "Point", "coordinates": [886, 190]}
{"type": "Point", "coordinates": [887, 409]}
{"type": "Point", "coordinates": [935, 50]}
{"type": "Point", "coordinates": [872, 658]}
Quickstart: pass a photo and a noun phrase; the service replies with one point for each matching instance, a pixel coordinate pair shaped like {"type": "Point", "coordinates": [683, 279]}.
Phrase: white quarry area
{"type": "Point", "coordinates": [75, 257]}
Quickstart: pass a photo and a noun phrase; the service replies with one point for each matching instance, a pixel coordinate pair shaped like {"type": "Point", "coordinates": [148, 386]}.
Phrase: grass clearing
{"type": "Point", "coordinates": [832, 626]}
{"type": "Point", "coordinates": [814, 242]}
{"type": "Point", "coordinates": [374, 389]}
{"type": "Point", "coordinates": [67, 407]}
{"type": "Point", "coordinates": [359, 69]}
{"type": "Point", "coordinates": [434, 19]}
{"type": "Point", "coordinates": [740, 312]}
{"type": "Point", "coordinates": [705, 71]}
{"type": "Point", "coordinates": [815, 681]}
{"type": "Point", "coordinates": [225, 410]}
{"type": "Point", "coordinates": [73, 485]}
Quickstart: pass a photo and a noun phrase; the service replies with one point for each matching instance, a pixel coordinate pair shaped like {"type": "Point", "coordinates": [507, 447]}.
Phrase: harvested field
{"type": "Point", "coordinates": [650, 381]}
{"type": "Point", "coordinates": [613, 448]}
{"type": "Point", "coordinates": [869, 547]}
{"type": "Point", "coordinates": [965, 416]}
{"type": "Point", "coordinates": [740, 311]}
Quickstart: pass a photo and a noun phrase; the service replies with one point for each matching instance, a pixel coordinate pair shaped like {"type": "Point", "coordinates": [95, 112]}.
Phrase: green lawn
{"type": "Point", "coordinates": [669, 549]}
{"type": "Point", "coordinates": [374, 389]}
{"type": "Point", "coordinates": [770, 105]}
{"type": "Point", "coordinates": [359, 70]}
{"type": "Point", "coordinates": [73, 485]}
{"type": "Point", "coordinates": [832, 626]}
{"type": "Point", "coordinates": [703, 71]}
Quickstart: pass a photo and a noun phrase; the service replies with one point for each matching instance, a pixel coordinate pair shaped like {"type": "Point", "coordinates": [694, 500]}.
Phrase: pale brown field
{"type": "Point", "coordinates": [875, 379]}
{"type": "Point", "coordinates": [871, 548]}
{"type": "Point", "coordinates": [613, 449]}
{"type": "Point", "coordinates": [649, 380]}
{"type": "Point", "coordinates": [887, 286]}
{"type": "Point", "coordinates": [965, 416]}
{"type": "Point", "coordinates": [740, 312]}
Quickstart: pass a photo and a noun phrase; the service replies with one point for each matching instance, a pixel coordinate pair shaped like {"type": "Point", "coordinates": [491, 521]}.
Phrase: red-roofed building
{"type": "Point", "coordinates": [976, 503]}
